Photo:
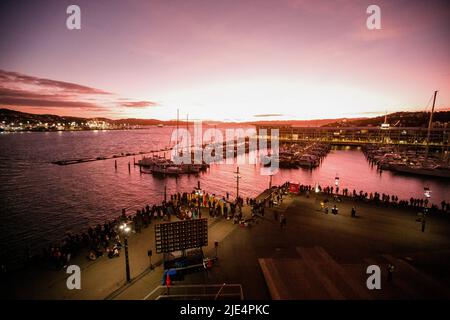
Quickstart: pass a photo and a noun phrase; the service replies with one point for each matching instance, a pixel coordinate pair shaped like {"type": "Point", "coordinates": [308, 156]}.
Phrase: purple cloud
{"type": "Point", "coordinates": [139, 104]}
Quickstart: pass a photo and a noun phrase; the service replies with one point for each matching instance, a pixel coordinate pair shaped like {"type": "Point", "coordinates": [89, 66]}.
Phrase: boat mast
{"type": "Point", "coordinates": [178, 114]}
{"type": "Point", "coordinates": [187, 129]}
{"type": "Point", "coordinates": [430, 124]}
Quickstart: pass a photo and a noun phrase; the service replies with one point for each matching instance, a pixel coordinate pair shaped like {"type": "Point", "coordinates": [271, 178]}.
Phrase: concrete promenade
{"type": "Point", "coordinates": [316, 243]}
{"type": "Point", "coordinates": [325, 256]}
{"type": "Point", "coordinates": [104, 278]}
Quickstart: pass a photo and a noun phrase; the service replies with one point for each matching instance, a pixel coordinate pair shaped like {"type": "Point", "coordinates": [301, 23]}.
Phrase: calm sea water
{"type": "Point", "coordinates": [40, 201]}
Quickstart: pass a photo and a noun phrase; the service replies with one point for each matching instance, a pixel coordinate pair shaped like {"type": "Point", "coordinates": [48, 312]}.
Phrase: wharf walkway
{"type": "Point", "coordinates": [104, 278]}
{"type": "Point", "coordinates": [314, 256]}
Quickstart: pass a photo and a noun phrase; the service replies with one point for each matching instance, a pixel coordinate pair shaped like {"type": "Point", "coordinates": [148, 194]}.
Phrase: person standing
{"type": "Point", "coordinates": [353, 212]}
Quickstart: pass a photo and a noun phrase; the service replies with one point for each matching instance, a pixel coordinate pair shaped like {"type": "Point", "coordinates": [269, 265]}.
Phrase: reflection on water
{"type": "Point", "coordinates": [41, 201]}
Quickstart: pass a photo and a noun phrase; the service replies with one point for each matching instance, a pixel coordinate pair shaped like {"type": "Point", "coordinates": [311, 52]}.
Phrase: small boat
{"type": "Point", "coordinates": [434, 170]}
{"type": "Point", "coordinates": [189, 168]}
{"type": "Point", "coordinates": [308, 160]}
{"type": "Point", "coordinates": [151, 161]}
{"type": "Point", "coordinates": [163, 169]}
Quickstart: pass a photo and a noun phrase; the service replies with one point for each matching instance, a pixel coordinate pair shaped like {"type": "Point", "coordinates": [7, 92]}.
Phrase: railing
{"type": "Point", "coordinates": [362, 141]}
{"type": "Point", "coordinates": [197, 292]}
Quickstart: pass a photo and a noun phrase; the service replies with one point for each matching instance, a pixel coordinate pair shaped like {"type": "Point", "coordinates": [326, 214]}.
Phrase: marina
{"type": "Point", "coordinates": [239, 152]}
{"type": "Point", "coordinates": [302, 154]}
{"type": "Point", "coordinates": [328, 256]}
{"type": "Point", "coordinates": [72, 207]}
{"type": "Point", "coordinates": [408, 161]}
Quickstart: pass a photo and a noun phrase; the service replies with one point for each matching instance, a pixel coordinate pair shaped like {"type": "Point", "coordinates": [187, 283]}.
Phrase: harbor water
{"type": "Point", "coordinates": [40, 201]}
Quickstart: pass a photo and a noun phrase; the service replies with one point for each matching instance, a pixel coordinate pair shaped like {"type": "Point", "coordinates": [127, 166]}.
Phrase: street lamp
{"type": "Point", "coordinates": [270, 181]}
{"type": "Point", "coordinates": [237, 182]}
{"type": "Point", "coordinates": [125, 231]}
{"type": "Point", "coordinates": [316, 193]}
{"type": "Point", "coordinates": [336, 183]}
{"type": "Point", "coordinates": [427, 194]}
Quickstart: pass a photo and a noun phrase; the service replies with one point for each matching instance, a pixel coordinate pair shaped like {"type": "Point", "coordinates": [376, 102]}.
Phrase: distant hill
{"type": "Point", "coordinates": [8, 116]}
{"type": "Point", "coordinates": [15, 116]}
{"type": "Point", "coordinates": [398, 119]}
{"type": "Point", "coordinates": [300, 123]}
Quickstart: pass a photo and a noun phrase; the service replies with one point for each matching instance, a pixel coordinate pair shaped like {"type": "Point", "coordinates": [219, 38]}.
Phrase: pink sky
{"type": "Point", "coordinates": [224, 60]}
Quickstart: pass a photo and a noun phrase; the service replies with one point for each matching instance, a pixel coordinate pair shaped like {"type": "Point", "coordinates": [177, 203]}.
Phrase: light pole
{"type": "Point", "coordinates": [336, 183]}
{"type": "Point", "coordinates": [237, 182]}
{"type": "Point", "coordinates": [125, 231]}
{"type": "Point", "coordinates": [316, 193]}
{"type": "Point", "coordinates": [270, 181]}
{"type": "Point", "coordinates": [427, 194]}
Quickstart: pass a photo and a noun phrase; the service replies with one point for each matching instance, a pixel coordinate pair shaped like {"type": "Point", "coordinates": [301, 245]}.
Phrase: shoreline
{"type": "Point", "coordinates": [433, 209]}
{"type": "Point", "coordinates": [42, 283]}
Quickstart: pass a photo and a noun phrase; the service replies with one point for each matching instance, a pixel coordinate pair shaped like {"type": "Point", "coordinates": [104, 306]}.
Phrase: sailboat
{"type": "Point", "coordinates": [385, 125]}
{"type": "Point", "coordinates": [425, 166]}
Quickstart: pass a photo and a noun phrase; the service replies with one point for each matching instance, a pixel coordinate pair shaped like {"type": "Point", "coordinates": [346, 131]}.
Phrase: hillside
{"type": "Point", "coordinates": [398, 119]}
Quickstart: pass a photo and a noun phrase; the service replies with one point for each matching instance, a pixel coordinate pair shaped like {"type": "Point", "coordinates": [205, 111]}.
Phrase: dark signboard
{"type": "Point", "coordinates": [181, 235]}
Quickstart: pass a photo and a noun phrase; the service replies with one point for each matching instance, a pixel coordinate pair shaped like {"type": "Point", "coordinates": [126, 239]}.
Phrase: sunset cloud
{"type": "Point", "coordinates": [23, 98]}
{"type": "Point", "coordinates": [227, 59]}
{"type": "Point", "coordinates": [7, 77]}
{"type": "Point", "coordinates": [18, 90]}
{"type": "Point", "coordinates": [139, 104]}
{"type": "Point", "coordinates": [268, 115]}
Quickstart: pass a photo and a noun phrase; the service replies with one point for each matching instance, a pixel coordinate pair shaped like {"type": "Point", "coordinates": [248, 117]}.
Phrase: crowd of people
{"type": "Point", "coordinates": [378, 198]}
{"type": "Point", "coordinates": [106, 239]}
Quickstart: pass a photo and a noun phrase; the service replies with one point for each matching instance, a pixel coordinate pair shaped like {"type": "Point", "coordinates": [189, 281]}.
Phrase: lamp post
{"type": "Point", "coordinates": [237, 182]}
{"type": "Point", "coordinates": [316, 193]}
{"type": "Point", "coordinates": [270, 181]}
{"type": "Point", "coordinates": [199, 194]}
{"type": "Point", "coordinates": [336, 183]}
{"type": "Point", "coordinates": [427, 194]}
{"type": "Point", "coordinates": [125, 231]}
{"type": "Point", "coordinates": [165, 193]}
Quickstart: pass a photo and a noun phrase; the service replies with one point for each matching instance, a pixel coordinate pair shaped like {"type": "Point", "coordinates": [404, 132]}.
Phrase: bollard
{"type": "Point", "coordinates": [115, 164]}
{"type": "Point", "coordinates": [129, 167]}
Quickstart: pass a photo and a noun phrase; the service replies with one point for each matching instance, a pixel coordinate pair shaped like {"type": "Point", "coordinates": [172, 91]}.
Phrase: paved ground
{"type": "Point", "coordinates": [104, 278]}
{"type": "Point", "coordinates": [377, 235]}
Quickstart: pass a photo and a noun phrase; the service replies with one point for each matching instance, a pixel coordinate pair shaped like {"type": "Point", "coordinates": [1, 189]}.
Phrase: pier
{"type": "Point", "coordinates": [357, 136]}
{"type": "Point", "coordinates": [67, 162]}
{"type": "Point", "coordinates": [330, 253]}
